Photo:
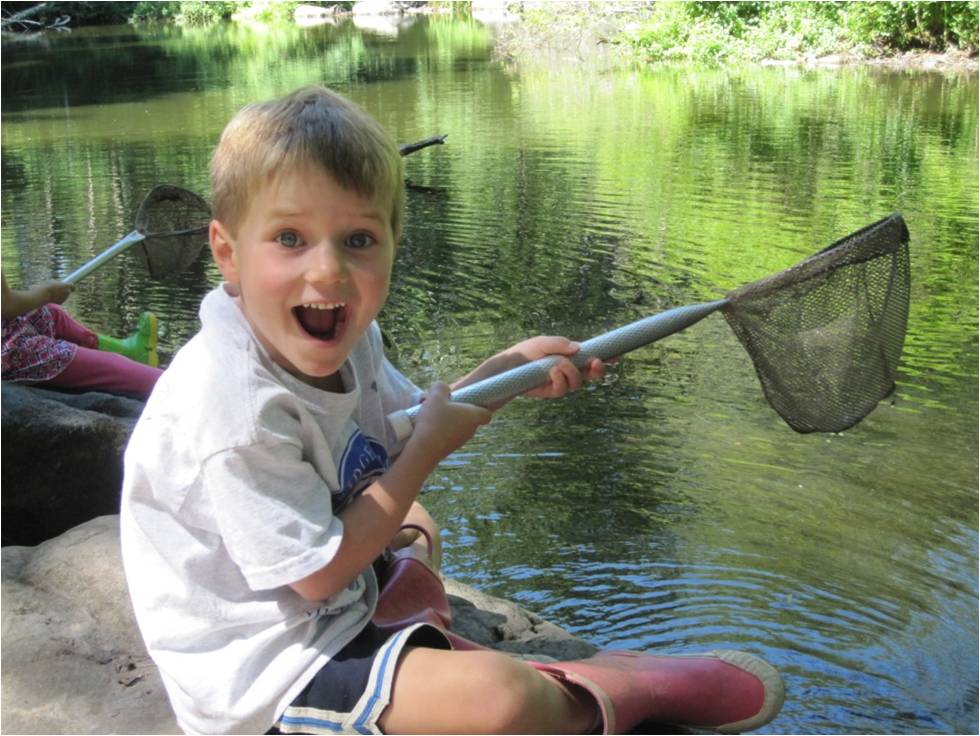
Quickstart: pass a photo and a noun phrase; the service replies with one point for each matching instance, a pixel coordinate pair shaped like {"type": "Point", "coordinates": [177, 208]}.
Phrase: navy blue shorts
{"type": "Point", "coordinates": [351, 691]}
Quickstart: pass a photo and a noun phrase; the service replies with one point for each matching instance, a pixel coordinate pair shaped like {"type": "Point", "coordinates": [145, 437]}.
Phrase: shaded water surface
{"type": "Point", "coordinates": [666, 507]}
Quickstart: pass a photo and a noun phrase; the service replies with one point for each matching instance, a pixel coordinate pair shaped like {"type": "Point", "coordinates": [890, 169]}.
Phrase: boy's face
{"type": "Point", "coordinates": [312, 263]}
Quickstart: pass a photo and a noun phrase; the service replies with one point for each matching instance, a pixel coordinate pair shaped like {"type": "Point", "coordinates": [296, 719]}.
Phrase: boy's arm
{"type": "Point", "coordinates": [373, 518]}
{"type": "Point", "coordinates": [565, 377]}
{"type": "Point", "coordinates": [442, 426]}
{"type": "Point", "coordinates": [16, 303]}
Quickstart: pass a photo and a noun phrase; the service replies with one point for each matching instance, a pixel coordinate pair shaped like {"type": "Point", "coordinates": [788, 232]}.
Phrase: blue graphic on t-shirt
{"type": "Point", "coordinates": [362, 461]}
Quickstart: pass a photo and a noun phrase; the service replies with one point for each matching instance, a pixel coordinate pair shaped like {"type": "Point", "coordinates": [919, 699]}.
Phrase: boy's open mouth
{"type": "Point", "coordinates": [321, 320]}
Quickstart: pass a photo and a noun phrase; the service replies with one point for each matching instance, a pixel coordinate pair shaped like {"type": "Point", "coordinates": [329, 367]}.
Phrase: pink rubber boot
{"type": "Point", "coordinates": [724, 691]}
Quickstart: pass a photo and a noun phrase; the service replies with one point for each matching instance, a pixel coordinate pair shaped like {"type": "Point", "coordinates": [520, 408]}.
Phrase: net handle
{"type": "Point", "coordinates": [104, 257]}
{"type": "Point", "coordinates": [606, 346]}
{"type": "Point", "coordinates": [138, 235]}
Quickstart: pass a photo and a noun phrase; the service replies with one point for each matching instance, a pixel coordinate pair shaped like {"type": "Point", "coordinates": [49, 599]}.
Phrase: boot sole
{"type": "Point", "coordinates": [771, 681]}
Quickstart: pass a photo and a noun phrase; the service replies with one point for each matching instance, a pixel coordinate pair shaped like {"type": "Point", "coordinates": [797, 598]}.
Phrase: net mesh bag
{"type": "Point", "coordinates": [174, 223]}
{"type": "Point", "coordinates": [826, 335]}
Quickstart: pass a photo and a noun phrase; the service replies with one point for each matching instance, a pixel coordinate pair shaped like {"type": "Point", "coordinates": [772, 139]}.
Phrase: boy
{"type": "Point", "coordinates": [263, 481]}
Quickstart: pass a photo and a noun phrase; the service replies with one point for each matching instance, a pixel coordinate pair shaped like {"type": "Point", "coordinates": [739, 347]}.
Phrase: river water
{"type": "Point", "coordinates": [666, 507]}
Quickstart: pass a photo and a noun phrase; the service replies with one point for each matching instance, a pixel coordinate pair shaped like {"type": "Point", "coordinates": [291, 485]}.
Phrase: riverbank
{"type": "Point", "coordinates": [914, 35]}
{"type": "Point", "coordinates": [949, 61]}
{"type": "Point", "coordinates": [638, 35]}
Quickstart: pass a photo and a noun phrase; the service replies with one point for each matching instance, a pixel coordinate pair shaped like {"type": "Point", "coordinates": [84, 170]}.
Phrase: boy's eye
{"type": "Point", "coordinates": [360, 240]}
{"type": "Point", "coordinates": [289, 239]}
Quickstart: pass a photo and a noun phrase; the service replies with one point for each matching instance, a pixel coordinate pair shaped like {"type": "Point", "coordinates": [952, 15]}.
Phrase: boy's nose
{"type": "Point", "coordinates": [327, 264]}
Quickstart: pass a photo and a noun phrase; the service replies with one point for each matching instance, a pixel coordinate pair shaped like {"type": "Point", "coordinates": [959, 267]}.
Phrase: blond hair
{"type": "Point", "coordinates": [309, 126]}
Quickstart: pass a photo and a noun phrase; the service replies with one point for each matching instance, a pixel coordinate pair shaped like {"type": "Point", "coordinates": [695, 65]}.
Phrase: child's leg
{"type": "Point", "coordinates": [418, 516]}
{"type": "Point", "coordinates": [436, 691]}
{"type": "Point", "coordinates": [141, 346]}
{"type": "Point", "coordinates": [440, 691]}
{"type": "Point", "coordinates": [100, 370]}
{"type": "Point", "coordinates": [67, 328]}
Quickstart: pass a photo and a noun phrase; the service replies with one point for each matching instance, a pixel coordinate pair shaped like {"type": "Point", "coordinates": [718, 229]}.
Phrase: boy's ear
{"type": "Point", "coordinates": [223, 251]}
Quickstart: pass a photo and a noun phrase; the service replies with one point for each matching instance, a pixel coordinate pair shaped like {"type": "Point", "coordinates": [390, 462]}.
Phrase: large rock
{"type": "Point", "coordinates": [506, 627]}
{"type": "Point", "coordinates": [62, 459]}
{"type": "Point", "coordinates": [73, 660]}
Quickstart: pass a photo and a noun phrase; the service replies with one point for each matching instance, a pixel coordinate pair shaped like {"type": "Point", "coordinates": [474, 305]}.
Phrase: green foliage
{"type": "Point", "coordinates": [718, 31]}
{"type": "Point", "coordinates": [183, 12]}
{"type": "Point", "coordinates": [266, 11]}
{"type": "Point", "coordinates": [454, 8]}
{"type": "Point", "coordinates": [671, 33]}
{"type": "Point", "coordinates": [150, 11]}
{"type": "Point", "coordinates": [964, 24]}
{"type": "Point", "coordinates": [735, 16]}
{"type": "Point", "coordinates": [909, 25]}
{"type": "Point", "coordinates": [197, 13]}
{"type": "Point", "coordinates": [201, 14]}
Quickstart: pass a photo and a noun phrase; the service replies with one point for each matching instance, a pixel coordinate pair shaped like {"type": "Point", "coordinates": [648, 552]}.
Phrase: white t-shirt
{"type": "Point", "coordinates": [232, 476]}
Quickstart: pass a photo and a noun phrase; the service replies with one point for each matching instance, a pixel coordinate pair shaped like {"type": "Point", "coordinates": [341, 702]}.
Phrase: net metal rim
{"type": "Point", "coordinates": [858, 247]}
{"type": "Point", "coordinates": [171, 192]}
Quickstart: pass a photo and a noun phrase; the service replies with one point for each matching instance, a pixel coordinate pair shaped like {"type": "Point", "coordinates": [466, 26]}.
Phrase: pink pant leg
{"type": "Point", "coordinates": [67, 328]}
{"type": "Point", "coordinates": [101, 370]}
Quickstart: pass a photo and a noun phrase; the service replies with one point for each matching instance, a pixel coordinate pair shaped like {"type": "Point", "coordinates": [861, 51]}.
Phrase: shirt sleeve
{"type": "Point", "coordinates": [273, 512]}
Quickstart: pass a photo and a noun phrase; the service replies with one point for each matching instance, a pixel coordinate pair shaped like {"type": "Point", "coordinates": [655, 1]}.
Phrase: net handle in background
{"type": "Point", "coordinates": [104, 257]}
{"type": "Point", "coordinates": [606, 346]}
{"type": "Point", "coordinates": [159, 194]}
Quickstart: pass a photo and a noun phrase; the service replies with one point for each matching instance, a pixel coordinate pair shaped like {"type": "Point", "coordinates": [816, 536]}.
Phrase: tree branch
{"type": "Point", "coordinates": [408, 148]}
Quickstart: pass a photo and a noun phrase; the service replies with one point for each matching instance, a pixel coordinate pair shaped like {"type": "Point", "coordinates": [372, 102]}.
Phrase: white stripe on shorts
{"type": "Point", "coordinates": [369, 707]}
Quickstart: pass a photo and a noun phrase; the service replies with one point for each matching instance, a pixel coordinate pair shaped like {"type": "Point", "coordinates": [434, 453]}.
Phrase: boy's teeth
{"type": "Point", "coordinates": [319, 320]}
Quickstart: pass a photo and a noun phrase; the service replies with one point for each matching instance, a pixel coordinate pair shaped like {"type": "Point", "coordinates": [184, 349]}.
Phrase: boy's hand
{"type": "Point", "coordinates": [443, 426]}
{"type": "Point", "coordinates": [565, 377]}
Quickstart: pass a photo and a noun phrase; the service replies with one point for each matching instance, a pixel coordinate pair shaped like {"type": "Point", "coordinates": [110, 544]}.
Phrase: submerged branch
{"type": "Point", "coordinates": [407, 148]}
{"type": "Point", "coordinates": [23, 15]}
{"type": "Point", "coordinates": [20, 23]}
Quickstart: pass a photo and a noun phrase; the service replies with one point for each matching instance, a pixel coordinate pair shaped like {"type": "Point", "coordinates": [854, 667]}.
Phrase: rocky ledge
{"type": "Point", "coordinates": [72, 657]}
{"type": "Point", "coordinates": [62, 459]}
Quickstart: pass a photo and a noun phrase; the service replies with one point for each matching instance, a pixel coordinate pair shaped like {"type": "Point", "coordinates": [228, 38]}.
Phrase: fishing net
{"type": "Point", "coordinates": [174, 224]}
{"type": "Point", "coordinates": [826, 335]}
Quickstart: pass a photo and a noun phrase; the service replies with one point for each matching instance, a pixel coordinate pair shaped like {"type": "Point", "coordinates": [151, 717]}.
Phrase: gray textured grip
{"type": "Point", "coordinates": [609, 345]}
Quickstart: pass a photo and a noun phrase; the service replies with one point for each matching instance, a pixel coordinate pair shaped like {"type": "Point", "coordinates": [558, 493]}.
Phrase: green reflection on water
{"type": "Point", "coordinates": [667, 506]}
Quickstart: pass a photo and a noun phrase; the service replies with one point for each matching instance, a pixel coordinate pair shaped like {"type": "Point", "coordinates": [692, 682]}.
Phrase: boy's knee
{"type": "Point", "coordinates": [509, 694]}
{"type": "Point", "coordinates": [418, 516]}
